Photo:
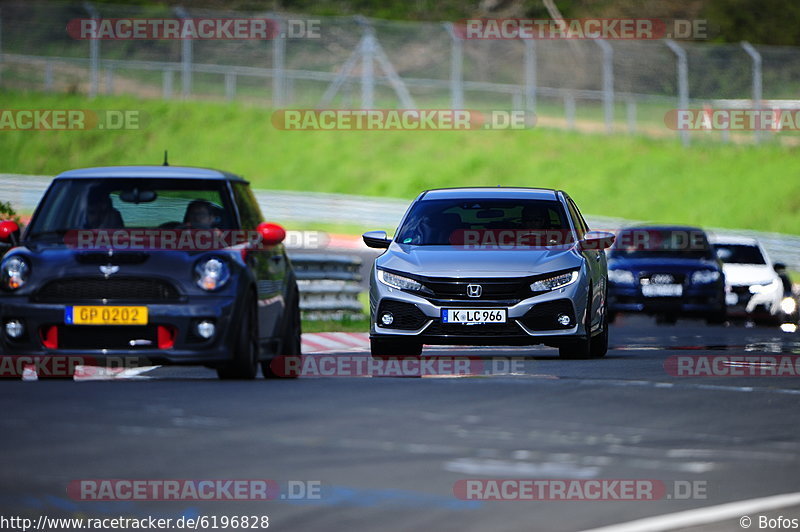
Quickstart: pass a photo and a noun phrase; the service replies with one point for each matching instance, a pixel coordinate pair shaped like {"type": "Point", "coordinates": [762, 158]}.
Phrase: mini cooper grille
{"type": "Point", "coordinates": [542, 317]}
{"type": "Point", "coordinates": [406, 316]}
{"type": "Point", "coordinates": [117, 288]}
{"type": "Point", "coordinates": [438, 328]}
{"type": "Point", "coordinates": [105, 337]}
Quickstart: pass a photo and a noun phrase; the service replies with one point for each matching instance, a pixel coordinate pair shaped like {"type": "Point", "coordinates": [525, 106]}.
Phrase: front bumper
{"type": "Point", "coordinates": [697, 300]}
{"type": "Point", "coordinates": [529, 321]}
{"type": "Point", "coordinates": [108, 345]}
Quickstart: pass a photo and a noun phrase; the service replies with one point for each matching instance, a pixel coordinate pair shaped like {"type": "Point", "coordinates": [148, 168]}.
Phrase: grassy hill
{"type": "Point", "coordinates": [711, 184]}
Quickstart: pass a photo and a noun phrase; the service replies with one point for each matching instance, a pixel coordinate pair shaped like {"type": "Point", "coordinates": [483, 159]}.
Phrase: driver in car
{"type": "Point", "coordinates": [199, 215]}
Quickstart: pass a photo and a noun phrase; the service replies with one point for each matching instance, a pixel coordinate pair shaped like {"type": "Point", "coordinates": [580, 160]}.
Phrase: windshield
{"type": "Point", "coordinates": [647, 243]}
{"type": "Point", "coordinates": [74, 204]}
{"type": "Point", "coordinates": [459, 221]}
{"type": "Point", "coordinates": [739, 254]}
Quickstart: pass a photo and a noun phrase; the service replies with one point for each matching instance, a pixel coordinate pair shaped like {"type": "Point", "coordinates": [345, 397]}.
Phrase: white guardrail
{"type": "Point", "coordinates": [24, 192]}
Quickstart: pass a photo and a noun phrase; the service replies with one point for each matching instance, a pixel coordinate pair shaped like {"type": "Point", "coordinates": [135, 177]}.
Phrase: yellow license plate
{"type": "Point", "coordinates": [103, 315]}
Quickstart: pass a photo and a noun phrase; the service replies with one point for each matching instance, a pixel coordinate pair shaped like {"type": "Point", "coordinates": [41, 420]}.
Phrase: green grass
{"type": "Point", "coordinates": [709, 184]}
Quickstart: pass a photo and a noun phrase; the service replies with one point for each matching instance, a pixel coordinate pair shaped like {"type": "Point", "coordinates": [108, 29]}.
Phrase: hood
{"type": "Point", "coordinates": [747, 274]}
{"type": "Point", "coordinates": [449, 261]}
{"type": "Point", "coordinates": [662, 264]}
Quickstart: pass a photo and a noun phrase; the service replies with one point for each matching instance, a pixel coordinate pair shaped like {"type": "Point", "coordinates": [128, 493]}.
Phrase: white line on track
{"type": "Point", "coordinates": [703, 516]}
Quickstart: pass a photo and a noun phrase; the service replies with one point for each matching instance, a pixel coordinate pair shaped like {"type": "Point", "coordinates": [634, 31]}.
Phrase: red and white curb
{"type": "Point", "coordinates": [334, 341]}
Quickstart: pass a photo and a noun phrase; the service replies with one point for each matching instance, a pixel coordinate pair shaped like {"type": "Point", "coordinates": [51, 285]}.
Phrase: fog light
{"type": "Point", "coordinates": [387, 318]}
{"type": "Point", "coordinates": [14, 329]}
{"type": "Point", "coordinates": [206, 329]}
{"type": "Point", "coordinates": [563, 319]}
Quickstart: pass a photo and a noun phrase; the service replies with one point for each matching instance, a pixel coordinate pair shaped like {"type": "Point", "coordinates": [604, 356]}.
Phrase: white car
{"type": "Point", "coordinates": [753, 288]}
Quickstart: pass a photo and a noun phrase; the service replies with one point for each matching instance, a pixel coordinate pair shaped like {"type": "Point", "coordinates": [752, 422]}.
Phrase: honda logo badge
{"type": "Point", "coordinates": [474, 290]}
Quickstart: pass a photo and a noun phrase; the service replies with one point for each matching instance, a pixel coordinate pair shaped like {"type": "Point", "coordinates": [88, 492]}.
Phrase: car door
{"type": "Point", "coordinates": [268, 264]}
{"type": "Point", "coordinates": [595, 263]}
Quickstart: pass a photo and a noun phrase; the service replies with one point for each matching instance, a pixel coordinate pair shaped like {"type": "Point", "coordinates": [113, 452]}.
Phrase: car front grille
{"type": "Point", "coordinates": [99, 288]}
{"type": "Point", "coordinates": [509, 291]}
{"type": "Point", "coordinates": [438, 328]}
{"type": "Point", "coordinates": [106, 336]}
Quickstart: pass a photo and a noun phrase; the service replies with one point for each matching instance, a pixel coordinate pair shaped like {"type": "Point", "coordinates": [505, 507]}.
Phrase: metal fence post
{"type": "Point", "coordinates": [569, 109]}
{"type": "Point", "coordinates": [683, 82]}
{"type": "Point", "coordinates": [367, 66]}
{"type": "Point", "coordinates": [608, 83]}
{"type": "Point", "coordinates": [186, 57]}
{"type": "Point", "coordinates": [530, 75]}
{"type": "Point", "coordinates": [631, 112]}
{"type": "Point", "coordinates": [278, 64]}
{"type": "Point", "coordinates": [166, 84]}
{"type": "Point", "coordinates": [230, 86]}
{"type": "Point", "coordinates": [109, 80]}
{"type": "Point", "coordinates": [758, 88]}
{"type": "Point", "coordinates": [456, 68]}
{"type": "Point", "coordinates": [94, 53]}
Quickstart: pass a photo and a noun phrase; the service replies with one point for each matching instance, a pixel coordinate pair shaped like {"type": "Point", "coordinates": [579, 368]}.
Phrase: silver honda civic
{"type": "Point", "coordinates": [490, 266]}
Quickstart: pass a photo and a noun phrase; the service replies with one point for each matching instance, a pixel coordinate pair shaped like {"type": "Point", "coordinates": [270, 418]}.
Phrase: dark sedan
{"type": "Point", "coordinates": [666, 271]}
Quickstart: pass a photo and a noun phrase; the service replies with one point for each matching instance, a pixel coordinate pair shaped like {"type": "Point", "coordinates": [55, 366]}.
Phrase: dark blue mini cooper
{"type": "Point", "coordinates": [148, 265]}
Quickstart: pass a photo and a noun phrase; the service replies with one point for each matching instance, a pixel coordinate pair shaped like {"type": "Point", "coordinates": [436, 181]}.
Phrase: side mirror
{"type": "Point", "coordinates": [376, 239]}
{"type": "Point", "coordinates": [271, 234]}
{"type": "Point", "coordinates": [779, 267]}
{"type": "Point", "coordinates": [596, 240]}
{"type": "Point", "coordinates": [9, 232]}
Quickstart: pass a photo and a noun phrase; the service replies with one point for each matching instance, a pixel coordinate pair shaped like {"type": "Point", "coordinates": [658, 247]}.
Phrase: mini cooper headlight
{"type": "Point", "coordinates": [705, 276]}
{"type": "Point", "coordinates": [212, 273]}
{"type": "Point", "coordinates": [620, 277]}
{"type": "Point", "coordinates": [557, 281]}
{"type": "Point", "coordinates": [400, 282]}
{"type": "Point", "coordinates": [15, 272]}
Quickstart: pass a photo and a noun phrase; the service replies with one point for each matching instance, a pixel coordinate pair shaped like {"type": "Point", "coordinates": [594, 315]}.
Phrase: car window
{"type": "Point", "coordinates": [661, 243]}
{"type": "Point", "coordinates": [739, 254]}
{"type": "Point", "coordinates": [249, 211]}
{"type": "Point", "coordinates": [132, 204]}
{"type": "Point", "coordinates": [444, 222]}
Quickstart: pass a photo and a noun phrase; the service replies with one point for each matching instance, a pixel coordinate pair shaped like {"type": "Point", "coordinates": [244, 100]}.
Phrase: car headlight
{"type": "Point", "coordinates": [705, 276]}
{"type": "Point", "coordinates": [766, 287]}
{"type": "Point", "coordinates": [557, 281]}
{"type": "Point", "coordinates": [400, 282]}
{"type": "Point", "coordinates": [212, 273]}
{"type": "Point", "coordinates": [788, 305]}
{"type": "Point", "coordinates": [15, 272]}
{"type": "Point", "coordinates": [620, 277]}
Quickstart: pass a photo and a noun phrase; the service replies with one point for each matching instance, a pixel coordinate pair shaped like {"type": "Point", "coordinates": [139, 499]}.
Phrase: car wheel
{"type": "Point", "coordinates": [394, 347]}
{"type": "Point", "coordinates": [599, 343]}
{"type": "Point", "coordinates": [579, 348]}
{"type": "Point", "coordinates": [717, 318]}
{"type": "Point", "coordinates": [291, 342]}
{"type": "Point", "coordinates": [244, 365]}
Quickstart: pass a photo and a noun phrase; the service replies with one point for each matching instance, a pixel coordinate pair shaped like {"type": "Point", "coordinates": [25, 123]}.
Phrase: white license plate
{"type": "Point", "coordinates": [662, 290]}
{"type": "Point", "coordinates": [473, 316]}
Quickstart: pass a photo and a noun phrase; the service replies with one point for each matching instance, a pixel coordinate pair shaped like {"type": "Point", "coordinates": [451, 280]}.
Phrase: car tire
{"type": "Point", "coordinates": [394, 347]}
{"type": "Point", "coordinates": [579, 348]}
{"type": "Point", "coordinates": [291, 340]}
{"type": "Point", "coordinates": [717, 318]}
{"type": "Point", "coordinates": [244, 365]}
{"type": "Point", "coordinates": [599, 343]}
